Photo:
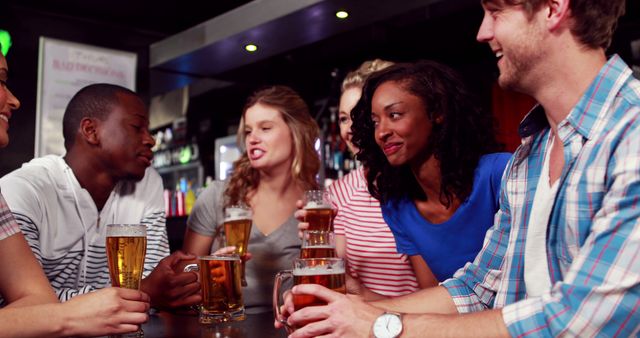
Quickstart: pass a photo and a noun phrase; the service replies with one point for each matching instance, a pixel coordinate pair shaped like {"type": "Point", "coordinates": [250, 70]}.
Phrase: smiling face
{"type": "Point", "coordinates": [402, 126]}
{"type": "Point", "coordinates": [125, 141]}
{"type": "Point", "coordinates": [268, 138]}
{"type": "Point", "coordinates": [8, 102]}
{"type": "Point", "coordinates": [348, 100]}
{"type": "Point", "coordinates": [516, 39]}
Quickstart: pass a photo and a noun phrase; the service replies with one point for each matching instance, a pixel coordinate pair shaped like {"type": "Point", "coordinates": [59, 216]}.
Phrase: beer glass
{"type": "Point", "coordinates": [126, 249]}
{"type": "Point", "coordinates": [318, 244]}
{"type": "Point", "coordinates": [319, 210]}
{"type": "Point", "coordinates": [237, 229]}
{"type": "Point", "coordinates": [220, 287]}
{"type": "Point", "coordinates": [328, 272]}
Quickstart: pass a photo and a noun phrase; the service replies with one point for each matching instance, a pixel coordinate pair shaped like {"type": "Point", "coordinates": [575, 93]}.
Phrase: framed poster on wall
{"type": "Point", "coordinates": [63, 69]}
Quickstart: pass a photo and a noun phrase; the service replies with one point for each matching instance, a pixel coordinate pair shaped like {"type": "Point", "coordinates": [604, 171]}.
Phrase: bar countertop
{"type": "Point", "coordinates": [176, 325]}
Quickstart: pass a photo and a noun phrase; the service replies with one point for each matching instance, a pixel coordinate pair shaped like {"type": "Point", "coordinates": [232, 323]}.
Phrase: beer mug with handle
{"type": "Point", "coordinates": [328, 272]}
{"type": "Point", "coordinates": [126, 249]}
{"type": "Point", "coordinates": [221, 288]}
{"type": "Point", "coordinates": [237, 229]}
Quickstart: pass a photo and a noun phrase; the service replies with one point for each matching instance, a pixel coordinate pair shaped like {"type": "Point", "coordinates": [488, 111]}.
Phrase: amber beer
{"type": "Point", "coordinates": [126, 249]}
{"type": "Point", "coordinates": [221, 288]}
{"type": "Point", "coordinates": [319, 212]}
{"type": "Point", "coordinates": [325, 275]}
{"type": "Point", "coordinates": [237, 230]}
{"type": "Point", "coordinates": [237, 234]}
{"type": "Point", "coordinates": [329, 272]}
{"type": "Point", "coordinates": [318, 244]}
{"type": "Point", "coordinates": [318, 251]}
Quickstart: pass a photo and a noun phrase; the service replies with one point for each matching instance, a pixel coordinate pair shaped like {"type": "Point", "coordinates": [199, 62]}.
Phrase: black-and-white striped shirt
{"type": "Point", "coordinates": [58, 218]}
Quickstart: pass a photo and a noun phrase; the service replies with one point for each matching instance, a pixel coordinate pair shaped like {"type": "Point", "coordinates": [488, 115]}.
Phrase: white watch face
{"type": "Point", "coordinates": [388, 325]}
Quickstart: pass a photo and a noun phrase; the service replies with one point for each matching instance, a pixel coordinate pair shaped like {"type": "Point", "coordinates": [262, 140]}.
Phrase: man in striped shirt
{"type": "Point", "coordinates": [563, 256]}
{"type": "Point", "coordinates": [63, 204]}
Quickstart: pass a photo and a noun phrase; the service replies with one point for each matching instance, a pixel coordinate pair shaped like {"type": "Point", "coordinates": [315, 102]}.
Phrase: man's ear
{"type": "Point", "coordinates": [89, 130]}
{"type": "Point", "coordinates": [557, 12]}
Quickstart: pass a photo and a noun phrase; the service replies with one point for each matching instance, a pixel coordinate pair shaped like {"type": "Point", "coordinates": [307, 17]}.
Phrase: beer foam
{"type": "Point", "coordinates": [318, 270]}
{"type": "Point", "coordinates": [317, 205]}
{"type": "Point", "coordinates": [321, 246]}
{"type": "Point", "coordinates": [236, 214]}
{"type": "Point", "coordinates": [220, 257]}
{"type": "Point", "coordinates": [126, 230]}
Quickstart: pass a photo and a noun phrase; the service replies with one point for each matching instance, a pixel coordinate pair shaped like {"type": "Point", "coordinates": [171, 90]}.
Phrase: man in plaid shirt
{"type": "Point", "coordinates": [563, 256]}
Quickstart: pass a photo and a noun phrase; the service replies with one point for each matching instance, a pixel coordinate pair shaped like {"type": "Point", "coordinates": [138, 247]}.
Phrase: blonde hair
{"type": "Point", "coordinates": [358, 77]}
{"type": "Point", "coordinates": [304, 132]}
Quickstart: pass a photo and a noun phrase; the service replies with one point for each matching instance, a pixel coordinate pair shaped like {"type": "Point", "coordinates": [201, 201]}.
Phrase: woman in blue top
{"type": "Point", "coordinates": [430, 156]}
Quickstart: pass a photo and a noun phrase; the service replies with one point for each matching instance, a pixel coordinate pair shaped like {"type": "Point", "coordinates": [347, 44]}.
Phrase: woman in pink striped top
{"type": "Point", "coordinates": [363, 238]}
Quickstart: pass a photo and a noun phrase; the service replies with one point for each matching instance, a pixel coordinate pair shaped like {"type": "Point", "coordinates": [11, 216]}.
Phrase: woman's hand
{"type": "Point", "coordinates": [232, 249]}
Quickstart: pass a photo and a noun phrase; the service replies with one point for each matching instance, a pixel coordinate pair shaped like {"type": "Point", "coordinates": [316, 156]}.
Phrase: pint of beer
{"type": "Point", "coordinates": [220, 287]}
{"type": "Point", "coordinates": [237, 229]}
{"type": "Point", "coordinates": [328, 272]}
{"type": "Point", "coordinates": [126, 249]}
{"type": "Point", "coordinates": [319, 210]}
{"type": "Point", "coordinates": [318, 244]}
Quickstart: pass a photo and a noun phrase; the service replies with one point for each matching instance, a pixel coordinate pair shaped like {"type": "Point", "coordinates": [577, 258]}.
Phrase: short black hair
{"type": "Point", "coordinates": [94, 101]}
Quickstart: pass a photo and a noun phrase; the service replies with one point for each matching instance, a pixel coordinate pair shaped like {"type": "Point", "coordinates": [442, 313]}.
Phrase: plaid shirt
{"type": "Point", "coordinates": [8, 225]}
{"type": "Point", "coordinates": [593, 236]}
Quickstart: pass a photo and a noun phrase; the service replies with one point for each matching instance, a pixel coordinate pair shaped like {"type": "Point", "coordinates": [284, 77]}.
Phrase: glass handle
{"type": "Point", "coordinates": [280, 276]}
{"type": "Point", "coordinates": [191, 267]}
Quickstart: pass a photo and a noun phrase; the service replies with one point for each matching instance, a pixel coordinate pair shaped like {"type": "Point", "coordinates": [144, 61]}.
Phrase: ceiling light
{"type": "Point", "coordinates": [251, 48]}
{"type": "Point", "coordinates": [342, 14]}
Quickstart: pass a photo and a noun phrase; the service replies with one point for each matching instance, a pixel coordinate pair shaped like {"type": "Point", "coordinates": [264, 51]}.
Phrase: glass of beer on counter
{"type": "Point", "coordinates": [237, 229]}
{"type": "Point", "coordinates": [319, 210]}
{"type": "Point", "coordinates": [126, 249]}
{"type": "Point", "coordinates": [328, 272]}
{"type": "Point", "coordinates": [221, 288]}
{"type": "Point", "coordinates": [318, 244]}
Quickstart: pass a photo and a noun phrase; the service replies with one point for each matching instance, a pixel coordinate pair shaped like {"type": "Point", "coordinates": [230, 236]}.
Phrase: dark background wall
{"type": "Point", "coordinates": [26, 27]}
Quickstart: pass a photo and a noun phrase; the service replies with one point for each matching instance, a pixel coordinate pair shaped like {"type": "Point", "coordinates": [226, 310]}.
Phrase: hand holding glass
{"type": "Point", "coordinates": [126, 249]}
{"type": "Point", "coordinates": [221, 288]}
{"type": "Point", "coordinates": [319, 212]}
{"type": "Point", "coordinates": [237, 229]}
{"type": "Point", "coordinates": [328, 272]}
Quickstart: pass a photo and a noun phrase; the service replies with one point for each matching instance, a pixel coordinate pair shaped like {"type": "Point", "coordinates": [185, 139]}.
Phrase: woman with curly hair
{"type": "Point", "coordinates": [375, 268]}
{"type": "Point", "coordinates": [277, 165]}
{"type": "Point", "coordinates": [429, 151]}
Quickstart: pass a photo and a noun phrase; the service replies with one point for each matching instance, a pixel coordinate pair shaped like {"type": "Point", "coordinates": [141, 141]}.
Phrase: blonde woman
{"type": "Point", "coordinates": [278, 164]}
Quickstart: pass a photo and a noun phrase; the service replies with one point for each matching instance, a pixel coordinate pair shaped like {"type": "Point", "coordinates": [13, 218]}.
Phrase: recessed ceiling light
{"type": "Point", "coordinates": [342, 14]}
{"type": "Point", "coordinates": [251, 48]}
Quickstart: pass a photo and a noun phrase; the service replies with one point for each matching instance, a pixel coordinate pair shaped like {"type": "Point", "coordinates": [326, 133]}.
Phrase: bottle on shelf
{"type": "Point", "coordinates": [189, 199]}
{"type": "Point", "coordinates": [337, 159]}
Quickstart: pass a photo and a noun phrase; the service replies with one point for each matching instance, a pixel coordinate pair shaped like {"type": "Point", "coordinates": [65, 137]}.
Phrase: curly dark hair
{"type": "Point", "coordinates": [462, 134]}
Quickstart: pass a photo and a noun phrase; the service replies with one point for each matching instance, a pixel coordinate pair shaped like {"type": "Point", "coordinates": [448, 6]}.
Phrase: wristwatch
{"type": "Point", "coordinates": [388, 325]}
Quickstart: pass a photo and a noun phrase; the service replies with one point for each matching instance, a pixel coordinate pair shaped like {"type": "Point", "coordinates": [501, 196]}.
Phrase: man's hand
{"type": "Point", "coordinates": [169, 288]}
{"type": "Point", "coordinates": [344, 316]}
{"type": "Point", "coordinates": [285, 310]}
{"type": "Point", "coordinates": [106, 311]}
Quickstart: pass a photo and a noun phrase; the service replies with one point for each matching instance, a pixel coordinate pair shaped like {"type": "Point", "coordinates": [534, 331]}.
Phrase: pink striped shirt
{"type": "Point", "coordinates": [371, 248]}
